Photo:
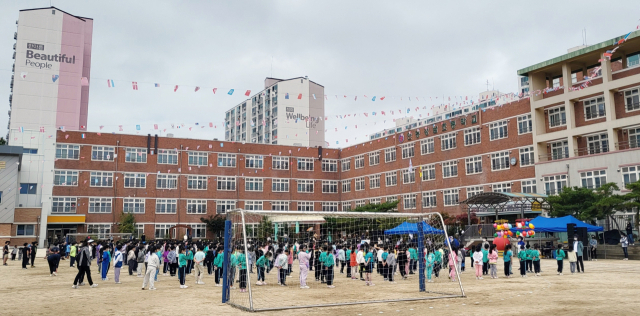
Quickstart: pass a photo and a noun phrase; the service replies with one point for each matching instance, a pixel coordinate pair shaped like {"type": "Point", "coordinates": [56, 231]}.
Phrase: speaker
{"type": "Point", "coordinates": [143, 238]}
{"type": "Point", "coordinates": [320, 152]}
{"type": "Point", "coordinates": [571, 230]}
{"type": "Point", "coordinates": [583, 236]}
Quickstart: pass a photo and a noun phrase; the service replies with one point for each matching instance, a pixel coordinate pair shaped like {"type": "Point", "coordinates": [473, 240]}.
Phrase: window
{"type": "Point", "coordinates": [450, 169]}
{"type": "Point", "coordinates": [346, 206]}
{"type": "Point", "coordinates": [65, 177]}
{"type": "Point", "coordinates": [138, 155]}
{"type": "Point", "coordinates": [391, 178]}
{"type": "Point", "coordinates": [429, 199]}
{"type": "Point", "coordinates": [100, 205]}
{"type": "Point", "coordinates": [63, 204]}
{"type": "Point", "coordinates": [101, 179]}
{"type": "Point", "coordinates": [279, 205]}
{"type": "Point", "coordinates": [409, 201]}
{"type": "Point", "coordinates": [528, 186]}
{"type": "Point", "coordinates": [498, 130]}
{"type": "Point", "coordinates": [374, 181]}
{"type": "Point", "coordinates": [408, 176]}
{"type": "Point", "coordinates": [280, 185]}
{"type": "Point", "coordinates": [197, 182]}
{"type": "Point", "coordinates": [559, 150]}
{"type": "Point", "coordinates": [253, 184]}
{"type": "Point", "coordinates": [632, 99]}
{"type": "Point", "coordinates": [525, 124]}
{"type": "Point", "coordinates": [135, 180]}
{"type": "Point", "coordinates": [360, 203]}
{"type": "Point", "coordinates": [392, 198]}
{"type": "Point", "coordinates": [634, 137]}
{"type": "Point", "coordinates": [359, 183]}
{"type": "Point", "coordinates": [30, 151]}
{"type": "Point", "coordinates": [280, 163]}
{"type": "Point", "coordinates": [222, 206]}
{"type": "Point", "coordinates": [167, 181]}
{"type": "Point", "coordinates": [346, 164]}
{"type": "Point", "coordinates": [474, 165]}
{"type": "Point", "coordinates": [253, 161]}
{"type": "Point", "coordinates": [427, 146]}
{"type": "Point", "coordinates": [305, 206]}
{"type": "Point", "coordinates": [167, 157]}
{"type": "Point", "coordinates": [25, 230]}
{"type": "Point", "coordinates": [359, 161]}
{"type": "Point", "coordinates": [166, 206]}
{"type": "Point", "coordinates": [389, 155]}
{"type": "Point", "coordinates": [305, 164]}
{"type": "Point", "coordinates": [227, 160]}
{"type": "Point", "coordinates": [408, 151]}
{"type": "Point", "coordinates": [99, 231]}
{"type": "Point", "coordinates": [374, 201]}
{"type": "Point", "coordinates": [593, 179]}
{"type": "Point", "coordinates": [594, 108]}
{"type": "Point", "coordinates": [501, 187]}
{"type": "Point", "coordinates": [196, 206]}
{"type": "Point", "coordinates": [198, 158]}
{"type": "Point", "coordinates": [305, 186]}
{"type": "Point", "coordinates": [557, 117]}
{"type": "Point", "coordinates": [526, 156]}
{"type": "Point", "coordinates": [633, 60]}
{"type": "Point", "coordinates": [556, 82]}
{"type": "Point", "coordinates": [162, 231]}
{"type": "Point", "coordinates": [574, 77]}
{"type": "Point", "coordinates": [133, 205]}
{"type": "Point", "coordinates": [554, 184]}
{"type": "Point", "coordinates": [253, 205]}
{"type": "Point", "coordinates": [500, 161]}
{"type": "Point", "coordinates": [346, 186]}
{"type": "Point", "coordinates": [448, 141]}
{"type": "Point", "coordinates": [67, 151]}
{"type": "Point", "coordinates": [198, 230]}
{"type": "Point", "coordinates": [471, 191]}
{"type": "Point", "coordinates": [226, 183]}
{"type": "Point", "coordinates": [329, 165]}
{"type": "Point", "coordinates": [450, 197]}
{"type": "Point", "coordinates": [329, 206]}
{"type": "Point", "coordinates": [102, 153]}
{"type": "Point", "coordinates": [630, 174]}
{"type": "Point", "coordinates": [472, 136]}
{"type": "Point", "coordinates": [429, 172]}
{"type": "Point", "coordinates": [28, 188]}
{"type": "Point", "coordinates": [597, 144]}
{"type": "Point", "coordinates": [329, 186]}
{"type": "Point", "coordinates": [374, 158]}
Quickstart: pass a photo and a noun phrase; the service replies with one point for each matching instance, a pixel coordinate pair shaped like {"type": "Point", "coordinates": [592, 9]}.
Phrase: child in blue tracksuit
{"type": "Point", "coordinates": [430, 259]}
{"type": "Point", "coordinates": [106, 260]}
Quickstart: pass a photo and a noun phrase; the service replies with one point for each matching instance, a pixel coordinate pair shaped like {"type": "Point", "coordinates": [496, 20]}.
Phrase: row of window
{"type": "Point", "coordinates": [590, 179]}
{"type": "Point", "coordinates": [594, 108]}
{"type": "Point", "coordinates": [101, 231]}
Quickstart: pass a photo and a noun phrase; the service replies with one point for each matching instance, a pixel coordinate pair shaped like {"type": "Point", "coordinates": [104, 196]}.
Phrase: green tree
{"type": "Point", "coordinates": [264, 229]}
{"type": "Point", "coordinates": [391, 206]}
{"type": "Point", "coordinates": [632, 199]}
{"type": "Point", "coordinates": [127, 224]}
{"type": "Point", "coordinates": [607, 202]}
{"type": "Point", "coordinates": [573, 201]}
{"type": "Point", "coordinates": [215, 223]}
{"type": "Point", "coordinates": [2, 141]}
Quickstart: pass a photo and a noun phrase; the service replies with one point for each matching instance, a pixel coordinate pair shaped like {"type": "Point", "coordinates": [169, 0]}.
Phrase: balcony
{"type": "Point", "coordinates": [592, 150]}
{"type": "Point", "coordinates": [630, 144]}
{"type": "Point", "coordinates": [554, 156]}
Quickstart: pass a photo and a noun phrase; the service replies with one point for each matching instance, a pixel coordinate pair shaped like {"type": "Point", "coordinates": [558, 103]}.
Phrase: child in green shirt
{"type": "Point", "coordinates": [182, 267]}
{"type": "Point", "coordinates": [560, 255]}
{"type": "Point", "coordinates": [217, 262]}
{"type": "Point", "coordinates": [241, 261]}
{"type": "Point", "coordinates": [535, 258]}
{"type": "Point", "coordinates": [522, 255]}
{"type": "Point", "coordinates": [262, 264]}
{"type": "Point", "coordinates": [328, 263]}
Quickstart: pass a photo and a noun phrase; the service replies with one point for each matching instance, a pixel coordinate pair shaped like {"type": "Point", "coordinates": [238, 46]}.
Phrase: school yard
{"type": "Point", "coordinates": [609, 286]}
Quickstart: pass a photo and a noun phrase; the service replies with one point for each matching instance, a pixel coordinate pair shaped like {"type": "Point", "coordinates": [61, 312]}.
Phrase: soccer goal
{"type": "Point", "coordinates": [409, 237]}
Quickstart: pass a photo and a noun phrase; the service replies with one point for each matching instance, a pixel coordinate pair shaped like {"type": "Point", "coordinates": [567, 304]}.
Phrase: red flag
{"type": "Point", "coordinates": [247, 93]}
{"type": "Point", "coordinates": [196, 90]}
{"type": "Point", "coordinates": [155, 126]}
{"type": "Point", "coordinates": [135, 85]}
{"type": "Point", "coordinates": [382, 98]}
{"type": "Point", "coordinates": [175, 89]}
{"type": "Point", "coordinates": [299, 96]}
{"type": "Point", "coordinates": [214, 90]}
{"type": "Point", "coordinates": [210, 124]}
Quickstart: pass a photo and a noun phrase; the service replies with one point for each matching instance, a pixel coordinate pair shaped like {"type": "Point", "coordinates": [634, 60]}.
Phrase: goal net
{"type": "Point", "coordinates": [406, 257]}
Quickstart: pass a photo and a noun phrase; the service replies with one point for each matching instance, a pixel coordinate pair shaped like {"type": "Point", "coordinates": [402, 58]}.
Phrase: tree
{"type": "Point", "coordinates": [2, 141]}
{"type": "Point", "coordinates": [573, 201]}
{"type": "Point", "coordinates": [127, 224]}
{"type": "Point", "coordinates": [391, 206]}
{"type": "Point", "coordinates": [632, 199]}
{"type": "Point", "coordinates": [215, 223]}
{"type": "Point", "coordinates": [264, 229]}
{"type": "Point", "coordinates": [606, 202]}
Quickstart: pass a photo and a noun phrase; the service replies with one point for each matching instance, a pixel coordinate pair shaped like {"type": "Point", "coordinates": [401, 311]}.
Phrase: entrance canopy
{"type": "Point", "coordinates": [412, 228]}
{"type": "Point", "coordinates": [558, 225]}
{"type": "Point", "coordinates": [496, 203]}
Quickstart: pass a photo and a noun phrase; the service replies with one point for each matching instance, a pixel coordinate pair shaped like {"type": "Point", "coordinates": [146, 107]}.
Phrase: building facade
{"type": "Point", "coordinates": [286, 112]}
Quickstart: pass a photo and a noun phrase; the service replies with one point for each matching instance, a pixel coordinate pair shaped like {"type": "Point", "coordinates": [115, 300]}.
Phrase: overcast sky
{"type": "Point", "coordinates": [381, 48]}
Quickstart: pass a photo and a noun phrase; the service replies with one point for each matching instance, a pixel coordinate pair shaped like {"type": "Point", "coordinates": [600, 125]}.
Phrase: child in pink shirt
{"type": "Point", "coordinates": [453, 258]}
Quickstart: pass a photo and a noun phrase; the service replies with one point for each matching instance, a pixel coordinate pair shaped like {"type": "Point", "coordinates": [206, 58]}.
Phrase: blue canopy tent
{"type": "Point", "coordinates": [412, 228]}
{"type": "Point", "coordinates": [558, 225]}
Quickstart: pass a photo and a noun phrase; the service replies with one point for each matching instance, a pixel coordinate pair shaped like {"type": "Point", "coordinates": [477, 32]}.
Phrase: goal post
{"type": "Point", "coordinates": [417, 241]}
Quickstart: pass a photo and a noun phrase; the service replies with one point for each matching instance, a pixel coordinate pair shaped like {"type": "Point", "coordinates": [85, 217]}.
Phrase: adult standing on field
{"type": "Point", "coordinates": [25, 255]}
{"type": "Point", "coordinates": [32, 252]}
{"type": "Point", "coordinates": [5, 253]}
{"type": "Point", "coordinates": [629, 230]}
{"type": "Point", "coordinates": [84, 265]}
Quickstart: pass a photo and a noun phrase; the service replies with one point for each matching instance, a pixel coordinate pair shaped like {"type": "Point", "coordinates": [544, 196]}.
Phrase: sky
{"type": "Point", "coordinates": [396, 49]}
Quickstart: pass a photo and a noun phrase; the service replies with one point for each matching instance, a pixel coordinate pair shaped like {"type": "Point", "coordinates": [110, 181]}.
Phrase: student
{"type": "Point", "coordinates": [508, 254]}
{"type": "Point", "coordinates": [329, 262]}
{"type": "Point", "coordinates": [560, 255]}
{"type": "Point", "coordinates": [117, 264]}
{"type": "Point", "coordinates": [403, 262]}
{"type": "Point", "coordinates": [106, 260]}
{"type": "Point", "coordinates": [72, 254]}
{"type": "Point", "coordinates": [535, 258]}
{"type": "Point", "coordinates": [290, 254]}
{"type": "Point", "coordinates": [84, 265]}
{"type": "Point", "coordinates": [140, 260]}
{"type": "Point", "coordinates": [153, 263]}
{"type": "Point", "coordinates": [198, 261]}
{"type": "Point", "coordinates": [453, 259]}
{"type": "Point", "coordinates": [573, 259]}
{"type": "Point", "coordinates": [241, 260]}
{"type": "Point", "coordinates": [485, 259]}
{"type": "Point", "coordinates": [529, 258]}
{"type": "Point", "coordinates": [182, 267]}
{"type": "Point", "coordinates": [217, 262]}
{"type": "Point", "coordinates": [477, 263]}
{"type": "Point", "coordinates": [32, 252]}
{"type": "Point", "coordinates": [67, 250]}
{"type": "Point", "coordinates": [390, 264]}
{"type": "Point", "coordinates": [430, 260]}
{"type": "Point", "coordinates": [493, 261]}
{"type": "Point", "coordinates": [522, 256]}
{"type": "Point", "coordinates": [165, 259]}
{"type": "Point", "coordinates": [593, 247]}
{"type": "Point", "coordinates": [189, 260]}
{"type": "Point", "coordinates": [385, 267]}
{"type": "Point", "coordinates": [322, 258]}
{"type": "Point", "coordinates": [25, 256]}
{"type": "Point", "coordinates": [413, 258]}
{"type": "Point", "coordinates": [262, 264]}
{"type": "Point", "coordinates": [462, 253]}
{"type": "Point", "coordinates": [303, 260]}
{"type": "Point", "coordinates": [233, 263]}
{"type": "Point", "coordinates": [159, 253]}
{"type": "Point", "coordinates": [341, 258]}
{"type": "Point", "coordinates": [368, 266]}
{"type": "Point", "coordinates": [5, 253]}
{"type": "Point", "coordinates": [281, 265]}
{"type": "Point", "coordinates": [317, 265]}
{"type": "Point", "coordinates": [360, 260]}
{"type": "Point", "coordinates": [172, 258]}
{"type": "Point", "coordinates": [347, 258]}
{"type": "Point", "coordinates": [14, 252]}
{"type": "Point", "coordinates": [131, 260]}
{"type": "Point", "coordinates": [251, 258]}
{"type": "Point", "coordinates": [437, 263]}
{"type": "Point", "coordinates": [209, 258]}
{"type": "Point", "coordinates": [53, 260]}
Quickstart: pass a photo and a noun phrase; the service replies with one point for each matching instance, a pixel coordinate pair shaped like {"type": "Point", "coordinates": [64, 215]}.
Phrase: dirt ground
{"type": "Point", "coordinates": [609, 287]}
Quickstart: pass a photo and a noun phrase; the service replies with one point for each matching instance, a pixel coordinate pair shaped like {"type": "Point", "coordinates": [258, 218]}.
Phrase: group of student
{"type": "Point", "coordinates": [25, 254]}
